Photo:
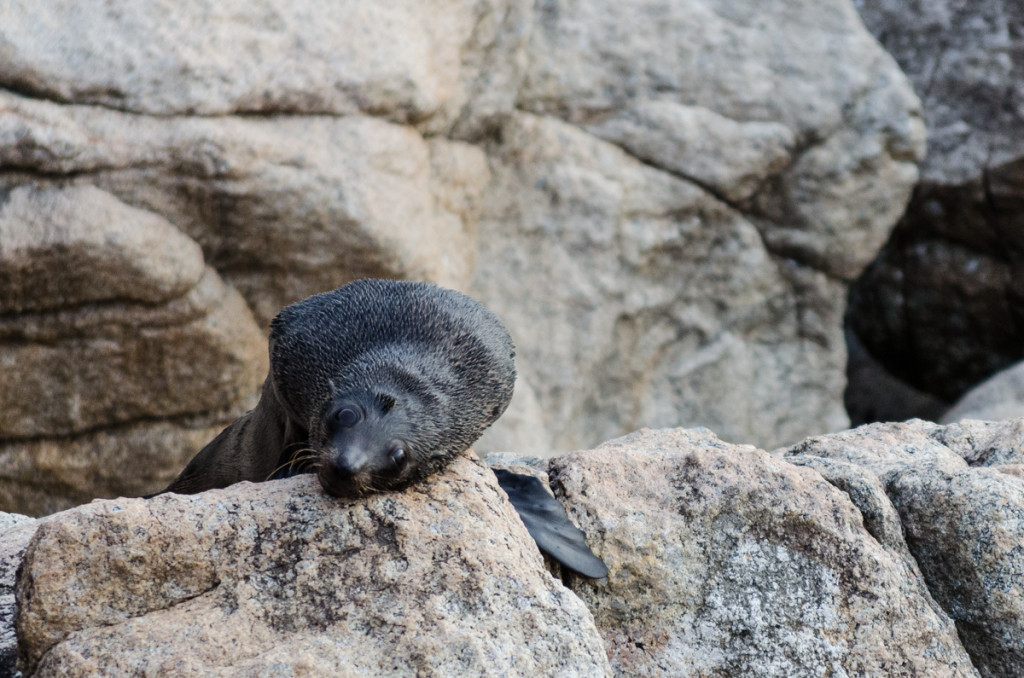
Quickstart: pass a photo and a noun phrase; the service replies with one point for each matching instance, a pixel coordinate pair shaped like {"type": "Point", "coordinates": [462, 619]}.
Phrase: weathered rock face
{"type": "Point", "coordinates": [845, 555]}
{"type": "Point", "coordinates": [457, 63]}
{"type": "Point", "coordinates": [665, 313]}
{"type": "Point", "coordinates": [962, 516]}
{"type": "Point", "coordinates": [664, 200]}
{"type": "Point", "coordinates": [669, 231]}
{"type": "Point", "coordinates": [283, 207]}
{"type": "Point", "coordinates": [996, 444]}
{"type": "Point", "coordinates": [942, 307]}
{"type": "Point", "coordinates": [278, 579]}
{"type": "Point", "coordinates": [15, 533]}
{"type": "Point", "coordinates": [109, 320]}
{"type": "Point", "coordinates": [726, 560]}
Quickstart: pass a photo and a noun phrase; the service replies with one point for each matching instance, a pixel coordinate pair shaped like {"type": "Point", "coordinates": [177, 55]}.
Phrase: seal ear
{"type": "Point", "coordinates": [549, 525]}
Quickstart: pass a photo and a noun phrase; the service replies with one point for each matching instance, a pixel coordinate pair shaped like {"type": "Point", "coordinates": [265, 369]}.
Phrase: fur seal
{"type": "Point", "coordinates": [374, 386]}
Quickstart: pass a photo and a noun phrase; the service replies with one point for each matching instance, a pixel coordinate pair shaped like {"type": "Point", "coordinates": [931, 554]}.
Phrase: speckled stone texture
{"type": "Point", "coordinates": [15, 533]}
{"type": "Point", "coordinates": [279, 579]}
{"type": "Point", "coordinates": [959, 494]}
{"type": "Point", "coordinates": [728, 561]}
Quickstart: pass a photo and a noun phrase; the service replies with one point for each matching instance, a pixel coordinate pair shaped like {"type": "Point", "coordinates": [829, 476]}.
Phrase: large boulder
{"type": "Point", "coordinates": [437, 65]}
{"type": "Point", "coordinates": [675, 215]}
{"type": "Point", "coordinates": [849, 554]}
{"type": "Point", "coordinates": [129, 351]}
{"type": "Point", "coordinates": [278, 579]}
{"type": "Point", "coordinates": [282, 207]}
{"type": "Point", "coordinates": [942, 307]}
{"type": "Point", "coordinates": [725, 560]}
{"type": "Point", "coordinates": [963, 517]}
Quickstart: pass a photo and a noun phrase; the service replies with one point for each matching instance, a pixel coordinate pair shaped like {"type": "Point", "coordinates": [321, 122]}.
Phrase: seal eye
{"type": "Point", "coordinates": [346, 417]}
{"type": "Point", "coordinates": [397, 457]}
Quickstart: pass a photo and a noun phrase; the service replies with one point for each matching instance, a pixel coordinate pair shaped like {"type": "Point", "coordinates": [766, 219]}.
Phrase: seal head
{"type": "Point", "coordinates": [368, 446]}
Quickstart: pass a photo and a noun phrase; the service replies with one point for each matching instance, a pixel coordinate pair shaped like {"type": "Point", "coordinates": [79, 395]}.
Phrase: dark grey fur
{"type": "Point", "coordinates": [374, 386]}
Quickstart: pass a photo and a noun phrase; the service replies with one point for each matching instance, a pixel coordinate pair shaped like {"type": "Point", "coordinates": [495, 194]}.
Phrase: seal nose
{"type": "Point", "coordinates": [338, 475]}
{"type": "Point", "coordinates": [348, 463]}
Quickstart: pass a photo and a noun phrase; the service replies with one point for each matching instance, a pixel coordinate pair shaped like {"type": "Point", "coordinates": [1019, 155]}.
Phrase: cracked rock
{"type": "Point", "coordinates": [15, 533]}
{"type": "Point", "coordinates": [677, 209]}
{"type": "Point", "coordinates": [963, 518]}
{"type": "Point", "coordinates": [725, 560]}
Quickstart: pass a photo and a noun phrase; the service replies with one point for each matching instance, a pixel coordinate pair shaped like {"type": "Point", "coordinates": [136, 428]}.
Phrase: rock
{"type": "Point", "coordinates": [44, 475]}
{"type": "Point", "coordinates": [71, 247]}
{"type": "Point", "coordinates": [83, 367]}
{"type": "Point", "coordinates": [1001, 396]}
{"type": "Point", "coordinates": [278, 578]}
{"type": "Point", "coordinates": [873, 393]}
{"type": "Point", "coordinates": [172, 58]}
{"type": "Point", "coordinates": [676, 313]}
{"type": "Point", "coordinates": [283, 207]}
{"type": "Point", "coordinates": [826, 114]}
{"type": "Point", "coordinates": [728, 157]}
{"type": "Point", "coordinates": [117, 375]}
{"type": "Point", "coordinates": [15, 533]}
{"type": "Point", "coordinates": [963, 524]}
{"type": "Point", "coordinates": [670, 231]}
{"type": "Point", "coordinates": [981, 443]}
{"type": "Point", "coordinates": [725, 560]}
{"type": "Point", "coordinates": [130, 352]}
{"type": "Point", "coordinates": [942, 306]}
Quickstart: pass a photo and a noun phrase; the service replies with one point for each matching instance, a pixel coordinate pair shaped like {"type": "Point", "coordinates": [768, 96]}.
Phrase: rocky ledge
{"type": "Point", "coordinates": [891, 549]}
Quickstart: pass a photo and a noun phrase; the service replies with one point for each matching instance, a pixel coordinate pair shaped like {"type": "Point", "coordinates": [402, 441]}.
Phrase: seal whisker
{"type": "Point", "coordinates": [298, 459]}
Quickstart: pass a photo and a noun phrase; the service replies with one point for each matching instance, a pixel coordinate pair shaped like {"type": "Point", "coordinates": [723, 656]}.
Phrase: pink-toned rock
{"type": "Point", "coordinates": [278, 578]}
{"type": "Point", "coordinates": [726, 560]}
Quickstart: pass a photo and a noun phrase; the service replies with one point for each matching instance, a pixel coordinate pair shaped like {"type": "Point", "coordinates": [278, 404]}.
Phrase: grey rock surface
{"type": "Point", "coordinates": [81, 245]}
{"type": "Point", "coordinates": [942, 307]}
{"type": "Point", "coordinates": [674, 217]}
{"type": "Point", "coordinates": [1001, 396]}
{"type": "Point", "coordinates": [453, 61]}
{"type": "Point", "coordinates": [282, 207]}
{"type": "Point", "coordinates": [15, 533]}
{"type": "Point", "coordinates": [636, 297]}
{"type": "Point", "coordinates": [981, 443]}
{"type": "Point", "coordinates": [725, 560]}
{"type": "Point", "coordinates": [825, 113]}
{"type": "Point", "coordinates": [49, 474]}
{"type": "Point", "coordinates": [280, 579]}
{"type": "Point", "coordinates": [963, 523]}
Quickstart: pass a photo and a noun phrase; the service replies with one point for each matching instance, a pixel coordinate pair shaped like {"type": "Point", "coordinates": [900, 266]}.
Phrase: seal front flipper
{"type": "Point", "coordinates": [251, 449]}
{"type": "Point", "coordinates": [549, 525]}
